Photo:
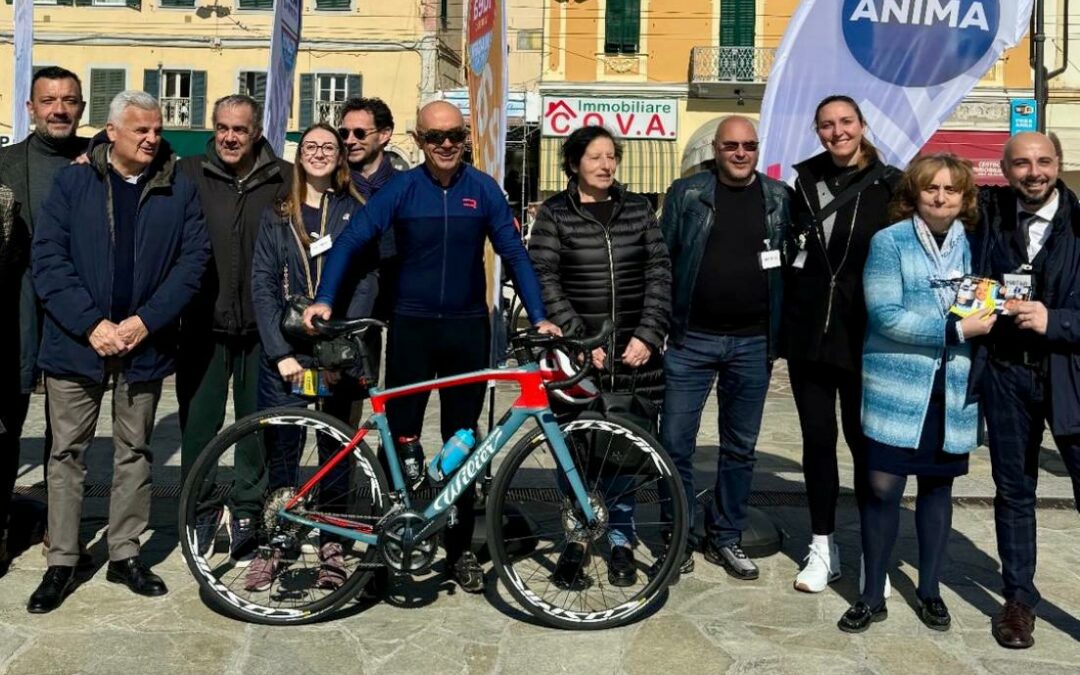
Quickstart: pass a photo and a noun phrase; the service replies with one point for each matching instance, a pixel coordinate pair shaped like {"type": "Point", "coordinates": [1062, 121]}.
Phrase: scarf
{"type": "Point", "coordinates": [369, 185]}
{"type": "Point", "coordinates": [947, 263]}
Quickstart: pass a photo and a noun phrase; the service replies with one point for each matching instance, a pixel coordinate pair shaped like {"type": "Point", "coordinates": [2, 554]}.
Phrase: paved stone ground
{"type": "Point", "coordinates": [710, 622]}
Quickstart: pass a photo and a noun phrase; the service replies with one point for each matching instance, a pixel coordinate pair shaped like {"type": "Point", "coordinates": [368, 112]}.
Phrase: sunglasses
{"type": "Point", "coordinates": [732, 146]}
{"type": "Point", "coordinates": [358, 133]}
{"type": "Point", "coordinates": [439, 136]}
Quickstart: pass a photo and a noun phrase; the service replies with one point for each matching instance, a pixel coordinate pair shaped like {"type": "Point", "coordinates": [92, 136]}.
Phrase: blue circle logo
{"type": "Point", "coordinates": [919, 43]}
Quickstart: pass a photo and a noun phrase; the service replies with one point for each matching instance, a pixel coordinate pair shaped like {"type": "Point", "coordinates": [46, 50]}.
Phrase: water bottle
{"type": "Point", "coordinates": [411, 454]}
{"type": "Point", "coordinates": [447, 460]}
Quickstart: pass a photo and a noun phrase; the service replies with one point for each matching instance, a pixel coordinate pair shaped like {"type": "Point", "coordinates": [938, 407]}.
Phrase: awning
{"type": "Point", "coordinates": [699, 149]}
{"type": "Point", "coordinates": [647, 165]}
{"type": "Point", "coordinates": [983, 149]}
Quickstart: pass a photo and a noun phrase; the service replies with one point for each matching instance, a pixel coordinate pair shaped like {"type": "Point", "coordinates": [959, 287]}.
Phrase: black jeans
{"type": "Point", "coordinates": [421, 349]}
{"type": "Point", "coordinates": [815, 387]}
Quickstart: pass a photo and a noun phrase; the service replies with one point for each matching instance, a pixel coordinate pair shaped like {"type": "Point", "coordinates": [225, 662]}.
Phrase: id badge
{"type": "Point", "coordinates": [321, 245]}
{"type": "Point", "coordinates": [1016, 288]}
{"type": "Point", "coordinates": [800, 260]}
{"type": "Point", "coordinates": [769, 260]}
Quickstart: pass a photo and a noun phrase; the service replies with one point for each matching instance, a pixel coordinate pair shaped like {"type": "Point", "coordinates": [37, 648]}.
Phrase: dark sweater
{"type": "Point", "coordinates": [731, 294]}
{"type": "Point", "coordinates": [45, 158]}
{"type": "Point", "coordinates": [125, 204]}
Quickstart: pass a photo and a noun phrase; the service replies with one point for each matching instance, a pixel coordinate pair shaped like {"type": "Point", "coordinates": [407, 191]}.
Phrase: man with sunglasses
{"type": "Point", "coordinates": [724, 231]}
{"type": "Point", "coordinates": [441, 214]}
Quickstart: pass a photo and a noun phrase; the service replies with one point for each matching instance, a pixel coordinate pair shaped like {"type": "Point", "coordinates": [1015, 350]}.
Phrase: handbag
{"type": "Point", "coordinates": [292, 319]}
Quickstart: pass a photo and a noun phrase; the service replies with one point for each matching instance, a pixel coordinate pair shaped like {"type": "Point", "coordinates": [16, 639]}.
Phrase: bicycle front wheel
{"type": "Point", "coordinates": [258, 551]}
{"type": "Point", "coordinates": [570, 573]}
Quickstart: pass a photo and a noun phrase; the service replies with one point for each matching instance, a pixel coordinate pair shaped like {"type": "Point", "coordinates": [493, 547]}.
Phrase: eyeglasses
{"type": "Point", "coordinates": [358, 133]}
{"type": "Point", "coordinates": [440, 136]}
{"type": "Point", "coordinates": [732, 146]}
{"type": "Point", "coordinates": [311, 148]}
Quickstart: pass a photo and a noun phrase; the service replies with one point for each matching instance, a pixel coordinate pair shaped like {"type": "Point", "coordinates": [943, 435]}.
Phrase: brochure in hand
{"type": "Point", "coordinates": [977, 294]}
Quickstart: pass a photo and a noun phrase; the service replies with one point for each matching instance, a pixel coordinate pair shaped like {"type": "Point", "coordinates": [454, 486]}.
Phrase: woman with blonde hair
{"type": "Point", "coordinates": [916, 414]}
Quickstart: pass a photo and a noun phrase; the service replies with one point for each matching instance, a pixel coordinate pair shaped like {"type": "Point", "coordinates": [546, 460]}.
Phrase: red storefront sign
{"type": "Point", "coordinates": [982, 148]}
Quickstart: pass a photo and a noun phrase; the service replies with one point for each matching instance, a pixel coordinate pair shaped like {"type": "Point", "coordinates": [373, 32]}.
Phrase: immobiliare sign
{"type": "Point", "coordinates": [655, 118]}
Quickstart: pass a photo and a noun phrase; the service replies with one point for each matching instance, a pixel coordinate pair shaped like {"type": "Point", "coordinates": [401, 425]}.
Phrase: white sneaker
{"type": "Point", "coordinates": [862, 579]}
{"type": "Point", "coordinates": [822, 568]}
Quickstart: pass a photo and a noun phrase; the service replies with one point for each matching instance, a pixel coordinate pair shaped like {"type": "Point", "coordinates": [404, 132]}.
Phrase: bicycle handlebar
{"type": "Point", "coordinates": [575, 347]}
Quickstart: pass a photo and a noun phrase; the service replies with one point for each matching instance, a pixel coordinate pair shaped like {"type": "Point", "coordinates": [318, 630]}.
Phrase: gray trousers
{"type": "Point", "coordinates": [74, 407]}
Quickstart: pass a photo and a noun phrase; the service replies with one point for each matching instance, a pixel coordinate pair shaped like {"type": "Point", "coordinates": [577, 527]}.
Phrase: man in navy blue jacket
{"type": "Point", "coordinates": [118, 251]}
{"type": "Point", "coordinates": [441, 213]}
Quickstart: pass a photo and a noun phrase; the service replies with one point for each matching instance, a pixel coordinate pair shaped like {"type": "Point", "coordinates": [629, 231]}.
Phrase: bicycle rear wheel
{"type": "Point", "coordinates": [558, 567]}
{"type": "Point", "coordinates": [251, 561]}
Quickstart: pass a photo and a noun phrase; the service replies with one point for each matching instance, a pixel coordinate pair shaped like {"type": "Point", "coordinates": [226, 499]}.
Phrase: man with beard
{"type": "Point", "coordinates": [366, 127]}
{"type": "Point", "coordinates": [27, 168]}
{"type": "Point", "coordinates": [1030, 232]}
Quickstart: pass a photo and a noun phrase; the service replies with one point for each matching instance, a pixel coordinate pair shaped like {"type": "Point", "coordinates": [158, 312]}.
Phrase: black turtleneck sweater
{"type": "Point", "coordinates": [46, 156]}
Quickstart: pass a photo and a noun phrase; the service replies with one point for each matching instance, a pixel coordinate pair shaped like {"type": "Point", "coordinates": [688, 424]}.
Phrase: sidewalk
{"type": "Point", "coordinates": [710, 623]}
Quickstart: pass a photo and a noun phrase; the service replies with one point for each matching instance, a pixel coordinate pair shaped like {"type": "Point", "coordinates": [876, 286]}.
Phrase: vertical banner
{"type": "Point", "coordinates": [907, 64]}
{"type": "Point", "coordinates": [284, 43]}
{"type": "Point", "coordinates": [488, 93]}
{"type": "Point", "coordinates": [24, 68]}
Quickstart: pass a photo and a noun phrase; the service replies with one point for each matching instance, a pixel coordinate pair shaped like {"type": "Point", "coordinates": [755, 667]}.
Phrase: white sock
{"type": "Point", "coordinates": [822, 540]}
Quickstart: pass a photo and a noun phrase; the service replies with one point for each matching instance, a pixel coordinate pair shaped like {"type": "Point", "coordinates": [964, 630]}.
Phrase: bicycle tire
{"type": "Point", "coordinates": [225, 599]}
{"type": "Point", "coordinates": [499, 513]}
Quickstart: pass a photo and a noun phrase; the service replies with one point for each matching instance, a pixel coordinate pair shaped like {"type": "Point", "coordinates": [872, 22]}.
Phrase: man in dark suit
{"type": "Point", "coordinates": [28, 167]}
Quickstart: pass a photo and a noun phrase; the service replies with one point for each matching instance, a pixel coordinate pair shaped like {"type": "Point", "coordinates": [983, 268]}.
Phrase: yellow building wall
{"type": "Point", "coordinates": [380, 41]}
{"type": "Point", "coordinates": [673, 27]}
{"type": "Point", "coordinates": [583, 23]}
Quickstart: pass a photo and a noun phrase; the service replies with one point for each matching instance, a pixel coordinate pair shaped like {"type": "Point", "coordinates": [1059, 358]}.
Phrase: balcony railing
{"type": "Point", "coordinates": [730, 64]}
{"type": "Point", "coordinates": [328, 111]}
{"type": "Point", "coordinates": [176, 112]}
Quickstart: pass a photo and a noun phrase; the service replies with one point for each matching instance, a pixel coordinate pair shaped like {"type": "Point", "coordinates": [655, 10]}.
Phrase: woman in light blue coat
{"type": "Point", "coordinates": [916, 359]}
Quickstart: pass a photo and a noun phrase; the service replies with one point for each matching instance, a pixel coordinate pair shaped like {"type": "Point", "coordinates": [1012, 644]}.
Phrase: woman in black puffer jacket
{"type": "Point", "coordinates": [599, 254]}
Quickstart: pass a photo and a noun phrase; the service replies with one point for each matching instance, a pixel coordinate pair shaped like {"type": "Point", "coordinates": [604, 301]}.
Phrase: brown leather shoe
{"type": "Point", "coordinates": [1014, 625]}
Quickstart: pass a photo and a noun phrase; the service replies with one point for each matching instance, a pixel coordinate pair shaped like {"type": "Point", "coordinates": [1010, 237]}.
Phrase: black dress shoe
{"type": "Point", "coordinates": [859, 617]}
{"type": "Point", "coordinates": [935, 614]}
{"type": "Point", "coordinates": [568, 574]}
{"type": "Point", "coordinates": [134, 574]}
{"type": "Point", "coordinates": [54, 587]}
{"type": "Point", "coordinates": [1013, 626]}
{"type": "Point", "coordinates": [622, 570]}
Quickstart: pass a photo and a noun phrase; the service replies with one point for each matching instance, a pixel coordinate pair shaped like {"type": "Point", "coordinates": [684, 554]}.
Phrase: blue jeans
{"type": "Point", "coordinates": [740, 366]}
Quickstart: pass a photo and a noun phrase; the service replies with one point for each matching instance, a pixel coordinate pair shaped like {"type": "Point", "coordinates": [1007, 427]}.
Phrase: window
{"type": "Point", "coordinates": [255, 4]}
{"type": "Point", "coordinates": [187, 4]}
{"type": "Point", "coordinates": [323, 95]}
{"type": "Point", "coordinates": [105, 84]}
{"type": "Point", "coordinates": [737, 40]}
{"type": "Point", "coordinates": [530, 40]}
{"type": "Point", "coordinates": [110, 3]}
{"type": "Point", "coordinates": [622, 26]}
{"type": "Point", "coordinates": [333, 5]}
{"type": "Point", "coordinates": [253, 84]}
{"type": "Point", "coordinates": [182, 95]}
{"type": "Point", "coordinates": [444, 14]}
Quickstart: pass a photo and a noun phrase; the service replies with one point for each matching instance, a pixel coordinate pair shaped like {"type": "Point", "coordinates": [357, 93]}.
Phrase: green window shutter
{"type": "Point", "coordinates": [260, 88]}
{"type": "Point", "coordinates": [622, 27]}
{"type": "Point", "coordinates": [152, 82]}
{"type": "Point", "coordinates": [354, 86]}
{"type": "Point", "coordinates": [64, 3]}
{"type": "Point", "coordinates": [333, 4]}
{"type": "Point", "coordinates": [177, 3]}
{"type": "Point", "coordinates": [134, 4]}
{"type": "Point", "coordinates": [255, 4]}
{"type": "Point", "coordinates": [737, 19]}
{"type": "Point", "coordinates": [307, 100]}
{"type": "Point", "coordinates": [198, 99]}
{"type": "Point", "coordinates": [105, 84]}
{"type": "Point", "coordinates": [84, 3]}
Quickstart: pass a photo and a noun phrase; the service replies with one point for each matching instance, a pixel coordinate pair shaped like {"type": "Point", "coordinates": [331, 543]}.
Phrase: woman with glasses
{"type": "Point", "coordinates": [289, 256]}
{"type": "Point", "coordinates": [916, 413]}
{"type": "Point", "coordinates": [599, 254]}
{"type": "Point", "coordinates": [841, 200]}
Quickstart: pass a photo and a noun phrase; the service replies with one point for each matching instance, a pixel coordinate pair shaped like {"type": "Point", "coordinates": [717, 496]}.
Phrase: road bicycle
{"type": "Point", "coordinates": [561, 499]}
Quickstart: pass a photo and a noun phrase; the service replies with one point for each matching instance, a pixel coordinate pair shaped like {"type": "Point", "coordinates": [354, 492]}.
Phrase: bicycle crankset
{"type": "Point", "coordinates": [577, 530]}
{"type": "Point", "coordinates": [399, 548]}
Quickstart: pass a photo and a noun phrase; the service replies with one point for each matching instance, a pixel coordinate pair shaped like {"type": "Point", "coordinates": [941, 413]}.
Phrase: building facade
{"type": "Point", "coordinates": [661, 73]}
{"type": "Point", "coordinates": [189, 53]}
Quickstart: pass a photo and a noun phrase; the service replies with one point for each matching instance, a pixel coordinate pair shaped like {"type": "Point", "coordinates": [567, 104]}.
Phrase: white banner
{"type": "Point", "coordinates": [24, 68]}
{"type": "Point", "coordinates": [908, 64]}
{"type": "Point", "coordinates": [284, 44]}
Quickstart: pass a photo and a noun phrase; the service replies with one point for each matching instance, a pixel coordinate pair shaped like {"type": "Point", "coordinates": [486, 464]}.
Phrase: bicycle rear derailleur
{"type": "Point", "coordinates": [400, 549]}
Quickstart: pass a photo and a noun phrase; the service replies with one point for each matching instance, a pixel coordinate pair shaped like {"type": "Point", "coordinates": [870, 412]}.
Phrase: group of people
{"type": "Point", "coordinates": [128, 264]}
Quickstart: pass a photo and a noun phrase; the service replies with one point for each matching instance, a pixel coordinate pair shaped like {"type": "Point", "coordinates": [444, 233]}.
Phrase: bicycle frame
{"type": "Point", "coordinates": [532, 402]}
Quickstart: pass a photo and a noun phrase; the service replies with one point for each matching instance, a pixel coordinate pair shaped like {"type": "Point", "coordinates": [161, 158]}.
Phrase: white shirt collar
{"type": "Point", "coordinates": [1047, 211]}
{"type": "Point", "coordinates": [134, 180]}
